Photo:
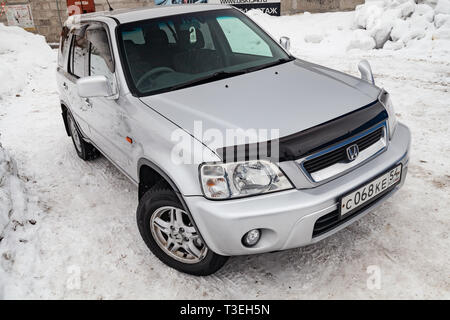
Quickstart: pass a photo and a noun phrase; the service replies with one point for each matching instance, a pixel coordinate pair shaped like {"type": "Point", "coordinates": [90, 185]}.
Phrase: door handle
{"type": "Point", "coordinates": [65, 86]}
{"type": "Point", "coordinates": [88, 103]}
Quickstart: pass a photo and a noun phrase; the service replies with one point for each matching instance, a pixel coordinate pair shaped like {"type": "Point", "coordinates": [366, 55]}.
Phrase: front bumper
{"type": "Point", "coordinates": [287, 218]}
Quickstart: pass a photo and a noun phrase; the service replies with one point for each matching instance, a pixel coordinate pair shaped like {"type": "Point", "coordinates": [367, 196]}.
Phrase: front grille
{"type": "Point", "coordinates": [340, 154]}
{"type": "Point", "coordinates": [331, 220]}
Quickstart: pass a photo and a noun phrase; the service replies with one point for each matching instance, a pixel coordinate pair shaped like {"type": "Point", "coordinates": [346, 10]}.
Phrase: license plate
{"type": "Point", "coordinates": [371, 190]}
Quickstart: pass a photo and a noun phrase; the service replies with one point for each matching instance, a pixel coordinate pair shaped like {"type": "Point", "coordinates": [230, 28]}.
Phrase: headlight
{"type": "Point", "coordinates": [387, 103]}
{"type": "Point", "coordinates": [238, 179]}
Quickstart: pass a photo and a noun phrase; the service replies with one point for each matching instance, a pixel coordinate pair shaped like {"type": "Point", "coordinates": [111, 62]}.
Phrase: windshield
{"type": "Point", "coordinates": [183, 50]}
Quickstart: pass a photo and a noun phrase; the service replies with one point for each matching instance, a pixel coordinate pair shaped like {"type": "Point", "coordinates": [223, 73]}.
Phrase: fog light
{"type": "Point", "coordinates": [251, 238]}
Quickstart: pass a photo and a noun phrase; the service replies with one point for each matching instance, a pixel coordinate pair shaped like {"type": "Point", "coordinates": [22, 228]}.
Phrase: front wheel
{"type": "Point", "coordinates": [170, 234]}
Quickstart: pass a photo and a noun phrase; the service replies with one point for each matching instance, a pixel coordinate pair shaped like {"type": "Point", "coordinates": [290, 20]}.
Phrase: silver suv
{"type": "Point", "coordinates": [236, 146]}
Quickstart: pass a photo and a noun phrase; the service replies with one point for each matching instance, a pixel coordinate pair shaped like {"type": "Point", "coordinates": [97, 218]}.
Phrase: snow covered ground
{"type": "Point", "coordinates": [68, 229]}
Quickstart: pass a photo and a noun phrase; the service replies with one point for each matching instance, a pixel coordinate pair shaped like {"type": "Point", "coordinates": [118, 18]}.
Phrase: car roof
{"type": "Point", "coordinates": [136, 14]}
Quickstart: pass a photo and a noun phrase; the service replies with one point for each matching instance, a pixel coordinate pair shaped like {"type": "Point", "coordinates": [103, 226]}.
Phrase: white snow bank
{"type": "Point", "coordinates": [17, 225]}
{"type": "Point", "coordinates": [26, 65]}
{"type": "Point", "coordinates": [22, 54]}
{"type": "Point", "coordinates": [361, 40]}
{"type": "Point", "coordinates": [442, 20]}
{"type": "Point", "coordinates": [418, 28]}
{"type": "Point", "coordinates": [314, 38]}
{"type": "Point", "coordinates": [328, 31]}
{"type": "Point", "coordinates": [400, 23]}
{"type": "Point", "coordinates": [13, 211]}
{"type": "Point", "coordinates": [443, 6]}
{"type": "Point", "coordinates": [12, 201]}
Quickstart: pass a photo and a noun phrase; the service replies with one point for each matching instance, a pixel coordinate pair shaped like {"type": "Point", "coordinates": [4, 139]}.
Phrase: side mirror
{"type": "Point", "coordinates": [285, 43]}
{"type": "Point", "coordinates": [95, 87]}
{"type": "Point", "coordinates": [366, 71]}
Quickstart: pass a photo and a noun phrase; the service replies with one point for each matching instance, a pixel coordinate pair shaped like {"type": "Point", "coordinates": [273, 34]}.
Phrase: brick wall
{"type": "Point", "coordinates": [48, 19]}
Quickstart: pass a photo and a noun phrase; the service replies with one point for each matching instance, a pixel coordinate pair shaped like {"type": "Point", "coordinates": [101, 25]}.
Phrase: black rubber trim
{"type": "Point", "coordinates": [306, 142]}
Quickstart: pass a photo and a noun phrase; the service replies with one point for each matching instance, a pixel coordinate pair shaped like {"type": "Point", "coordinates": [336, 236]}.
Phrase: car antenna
{"type": "Point", "coordinates": [109, 5]}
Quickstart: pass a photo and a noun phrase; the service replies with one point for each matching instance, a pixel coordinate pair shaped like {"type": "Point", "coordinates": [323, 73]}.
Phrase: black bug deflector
{"type": "Point", "coordinates": [311, 140]}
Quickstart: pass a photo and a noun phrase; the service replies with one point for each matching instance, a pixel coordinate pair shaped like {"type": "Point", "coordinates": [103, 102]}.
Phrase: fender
{"type": "Point", "coordinates": [162, 173]}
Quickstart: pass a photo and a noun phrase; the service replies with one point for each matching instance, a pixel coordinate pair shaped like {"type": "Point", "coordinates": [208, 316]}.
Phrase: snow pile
{"type": "Point", "coordinates": [22, 55]}
{"type": "Point", "coordinates": [17, 225]}
{"type": "Point", "coordinates": [421, 27]}
{"type": "Point", "coordinates": [13, 206]}
{"type": "Point", "coordinates": [11, 192]}
{"type": "Point", "coordinates": [319, 32]}
{"type": "Point", "coordinates": [395, 24]}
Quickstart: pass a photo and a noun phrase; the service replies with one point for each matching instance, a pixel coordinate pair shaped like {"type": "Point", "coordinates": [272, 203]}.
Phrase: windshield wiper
{"type": "Point", "coordinates": [226, 74]}
{"type": "Point", "coordinates": [270, 64]}
{"type": "Point", "coordinates": [209, 78]}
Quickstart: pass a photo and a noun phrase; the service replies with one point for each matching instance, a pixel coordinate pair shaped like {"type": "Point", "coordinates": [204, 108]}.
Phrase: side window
{"type": "Point", "coordinates": [77, 65]}
{"type": "Point", "coordinates": [101, 61]}
{"type": "Point", "coordinates": [241, 38]}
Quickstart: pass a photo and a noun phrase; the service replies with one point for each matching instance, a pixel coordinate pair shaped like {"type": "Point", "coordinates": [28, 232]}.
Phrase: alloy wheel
{"type": "Point", "coordinates": [176, 235]}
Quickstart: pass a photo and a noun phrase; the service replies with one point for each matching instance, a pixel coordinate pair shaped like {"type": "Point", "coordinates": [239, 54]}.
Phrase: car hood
{"type": "Point", "coordinates": [290, 97]}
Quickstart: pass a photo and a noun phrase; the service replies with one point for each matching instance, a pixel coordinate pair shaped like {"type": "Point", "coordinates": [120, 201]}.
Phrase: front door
{"type": "Point", "coordinates": [108, 118]}
{"type": "Point", "coordinates": [77, 68]}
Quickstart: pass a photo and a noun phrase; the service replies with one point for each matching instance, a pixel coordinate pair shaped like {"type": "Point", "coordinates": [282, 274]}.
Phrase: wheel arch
{"type": "Point", "coordinates": [149, 174]}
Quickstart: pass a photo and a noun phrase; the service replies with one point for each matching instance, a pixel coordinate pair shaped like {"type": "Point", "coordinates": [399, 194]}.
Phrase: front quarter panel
{"type": "Point", "coordinates": [167, 146]}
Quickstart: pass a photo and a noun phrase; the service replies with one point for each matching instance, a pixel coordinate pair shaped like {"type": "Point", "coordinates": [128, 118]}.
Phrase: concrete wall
{"type": "Point", "coordinates": [48, 19]}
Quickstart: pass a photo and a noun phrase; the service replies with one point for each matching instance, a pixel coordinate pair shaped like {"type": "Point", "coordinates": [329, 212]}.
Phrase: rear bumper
{"type": "Point", "coordinates": [287, 218]}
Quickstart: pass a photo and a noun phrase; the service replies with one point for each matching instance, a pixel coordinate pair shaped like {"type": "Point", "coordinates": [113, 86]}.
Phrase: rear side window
{"type": "Point", "coordinates": [78, 56]}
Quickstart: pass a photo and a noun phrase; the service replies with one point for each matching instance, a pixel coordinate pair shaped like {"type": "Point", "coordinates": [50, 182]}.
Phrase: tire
{"type": "Point", "coordinates": [156, 200]}
{"type": "Point", "coordinates": [85, 150]}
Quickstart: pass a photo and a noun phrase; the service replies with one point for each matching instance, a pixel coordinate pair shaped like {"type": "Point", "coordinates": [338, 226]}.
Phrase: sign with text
{"type": "Point", "coordinates": [20, 15]}
{"type": "Point", "coordinates": [80, 6]}
{"type": "Point", "coordinates": [271, 7]}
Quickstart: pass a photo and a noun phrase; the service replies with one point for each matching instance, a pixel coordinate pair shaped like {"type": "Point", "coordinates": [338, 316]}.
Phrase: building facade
{"type": "Point", "coordinates": [49, 15]}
